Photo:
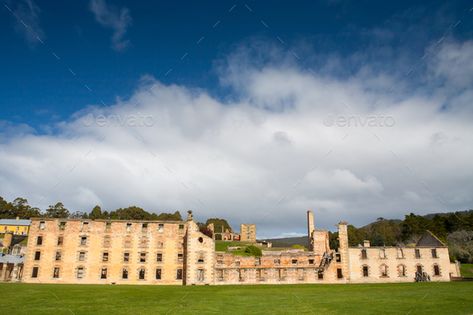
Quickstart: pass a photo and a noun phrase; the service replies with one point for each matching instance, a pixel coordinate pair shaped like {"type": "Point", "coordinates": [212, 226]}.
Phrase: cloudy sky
{"type": "Point", "coordinates": [240, 110]}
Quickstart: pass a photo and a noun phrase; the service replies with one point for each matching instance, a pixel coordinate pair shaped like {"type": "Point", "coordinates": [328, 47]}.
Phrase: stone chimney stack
{"type": "Point", "coordinates": [310, 229]}
{"type": "Point", "coordinates": [310, 223]}
{"type": "Point", "coordinates": [343, 248]}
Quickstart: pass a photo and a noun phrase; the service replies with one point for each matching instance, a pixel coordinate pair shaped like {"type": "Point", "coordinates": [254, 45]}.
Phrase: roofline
{"type": "Point", "coordinates": [107, 220]}
{"type": "Point", "coordinates": [428, 231]}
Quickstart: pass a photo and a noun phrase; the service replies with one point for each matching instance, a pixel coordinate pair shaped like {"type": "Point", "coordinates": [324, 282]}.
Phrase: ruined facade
{"type": "Point", "coordinates": [248, 232]}
{"type": "Point", "coordinates": [175, 252]}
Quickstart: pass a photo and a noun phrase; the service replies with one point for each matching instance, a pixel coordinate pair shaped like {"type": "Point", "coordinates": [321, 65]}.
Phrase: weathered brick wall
{"type": "Point", "coordinates": [116, 240]}
{"type": "Point", "coordinates": [200, 256]}
{"type": "Point", "coordinates": [393, 260]}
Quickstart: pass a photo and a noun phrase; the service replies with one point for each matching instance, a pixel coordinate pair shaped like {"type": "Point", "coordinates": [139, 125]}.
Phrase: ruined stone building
{"type": "Point", "coordinates": [175, 252]}
{"type": "Point", "coordinates": [248, 232]}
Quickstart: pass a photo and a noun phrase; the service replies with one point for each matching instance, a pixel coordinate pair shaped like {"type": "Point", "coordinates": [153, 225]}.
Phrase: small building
{"type": "Point", "coordinates": [16, 226]}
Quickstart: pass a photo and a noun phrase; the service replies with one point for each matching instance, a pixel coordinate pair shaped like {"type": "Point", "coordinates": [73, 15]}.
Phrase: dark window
{"type": "Point", "coordinates": [201, 259]}
{"type": "Point", "coordinates": [142, 257]}
{"type": "Point", "coordinates": [201, 240]}
{"type": "Point", "coordinates": [128, 227]}
{"type": "Point", "coordinates": [83, 240]}
{"type": "Point", "coordinates": [311, 261]}
{"type": "Point", "coordinates": [384, 271]}
{"type": "Point", "coordinates": [382, 253]}
{"type": "Point", "coordinates": [159, 257]}
{"type": "Point", "coordinates": [60, 240]}
{"type": "Point", "coordinates": [158, 274]}
{"type": "Point", "coordinates": [434, 253]}
{"type": "Point", "coordinates": [42, 225]}
{"type": "Point", "coordinates": [126, 257]}
{"type": "Point", "coordinates": [181, 227]}
{"type": "Point", "coordinates": [37, 255]}
{"type": "Point", "coordinates": [364, 255]}
{"type": "Point", "coordinates": [124, 273]}
{"type": "Point", "coordinates": [180, 257]}
{"type": "Point", "coordinates": [144, 227]}
{"type": "Point", "coordinates": [108, 226]}
{"type": "Point", "coordinates": [58, 255]}
{"type": "Point", "coordinates": [62, 226]}
{"type": "Point", "coordinates": [85, 226]}
{"type": "Point", "coordinates": [338, 258]}
{"type": "Point", "coordinates": [80, 272]}
{"type": "Point", "coordinates": [419, 268]}
{"type": "Point", "coordinates": [294, 261]}
{"type": "Point", "coordinates": [339, 273]}
{"type": "Point", "coordinates": [417, 251]}
{"type": "Point", "coordinates": [160, 227]}
{"type": "Point", "coordinates": [402, 270]}
{"type": "Point", "coordinates": [105, 257]}
{"type": "Point", "coordinates": [320, 275]}
{"type": "Point", "coordinates": [365, 271]}
{"type": "Point", "coordinates": [56, 272]}
{"type": "Point", "coordinates": [34, 273]}
{"type": "Point", "coordinates": [141, 274]}
{"type": "Point", "coordinates": [39, 240]}
{"type": "Point", "coordinates": [179, 274]}
{"type": "Point", "coordinates": [81, 256]}
{"type": "Point", "coordinates": [400, 253]}
{"type": "Point", "coordinates": [436, 270]}
{"type": "Point", "coordinates": [103, 273]}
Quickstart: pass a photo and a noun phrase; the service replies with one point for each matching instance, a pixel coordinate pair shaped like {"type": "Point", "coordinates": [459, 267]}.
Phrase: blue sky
{"type": "Point", "coordinates": [37, 88]}
{"type": "Point", "coordinates": [253, 111]}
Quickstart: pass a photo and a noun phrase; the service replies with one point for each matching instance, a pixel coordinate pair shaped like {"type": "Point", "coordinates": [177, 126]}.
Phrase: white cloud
{"type": "Point", "coordinates": [116, 19]}
{"type": "Point", "coordinates": [265, 157]}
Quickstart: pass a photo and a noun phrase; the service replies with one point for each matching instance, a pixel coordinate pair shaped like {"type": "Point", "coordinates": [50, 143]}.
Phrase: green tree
{"type": "Point", "coordinates": [252, 250]}
{"type": "Point", "coordinates": [57, 211]}
{"type": "Point", "coordinates": [96, 213]}
{"type": "Point", "coordinates": [20, 208]}
{"type": "Point", "coordinates": [220, 225]}
{"type": "Point", "coordinates": [176, 216]}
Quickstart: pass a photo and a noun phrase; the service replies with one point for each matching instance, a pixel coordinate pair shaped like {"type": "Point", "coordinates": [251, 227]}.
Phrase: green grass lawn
{"type": "Point", "coordinates": [222, 246]}
{"type": "Point", "coordinates": [410, 298]}
{"type": "Point", "coordinates": [467, 270]}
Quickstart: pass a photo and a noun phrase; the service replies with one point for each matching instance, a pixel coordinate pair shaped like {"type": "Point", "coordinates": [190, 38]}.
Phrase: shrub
{"type": "Point", "coordinates": [252, 250]}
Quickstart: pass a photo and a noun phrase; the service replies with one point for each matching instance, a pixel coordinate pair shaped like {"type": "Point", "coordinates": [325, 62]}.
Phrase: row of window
{"type": "Point", "coordinates": [106, 241]}
{"type": "Point", "coordinates": [400, 253]}
{"type": "Point", "coordinates": [276, 261]}
{"type": "Point", "coordinates": [142, 257]}
{"type": "Point", "coordinates": [262, 274]}
{"type": "Point", "coordinates": [80, 273]}
{"type": "Point", "coordinates": [108, 226]}
{"type": "Point", "coordinates": [401, 270]}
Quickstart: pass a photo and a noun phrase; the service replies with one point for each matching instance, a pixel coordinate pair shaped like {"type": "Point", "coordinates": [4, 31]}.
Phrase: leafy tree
{"type": "Point", "coordinates": [460, 244]}
{"type": "Point", "coordinates": [57, 211]}
{"type": "Point", "coordinates": [253, 251]}
{"type": "Point", "coordinates": [176, 216]}
{"type": "Point", "coordinates": [20, 208]}
{"type": "Point", "coordinates": [96, 213]}
{"type": "Point", "coordinates": [220, 225]}
{"type": "Point", "coordinates": [131, 213]}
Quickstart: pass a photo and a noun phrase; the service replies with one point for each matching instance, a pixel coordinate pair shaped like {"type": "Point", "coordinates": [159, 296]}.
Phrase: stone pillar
{"type": "Point", "coordinates": [310, 229]}
{"type": "Point", "coordinates": [343, 249]}
{"type": "Point", "coordinates": [14, 275]}
{"type": "Point", "coordinates": [7, 239]}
